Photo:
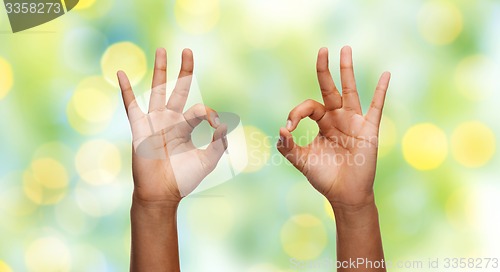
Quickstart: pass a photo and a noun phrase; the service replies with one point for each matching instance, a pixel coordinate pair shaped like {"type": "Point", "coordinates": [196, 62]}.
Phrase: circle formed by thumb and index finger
{"type": "Point", "coordinates": [309, 108]}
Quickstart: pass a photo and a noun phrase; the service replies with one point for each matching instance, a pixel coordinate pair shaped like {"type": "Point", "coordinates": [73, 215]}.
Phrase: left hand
{"type": "Point", "coordinates": [341, 161]}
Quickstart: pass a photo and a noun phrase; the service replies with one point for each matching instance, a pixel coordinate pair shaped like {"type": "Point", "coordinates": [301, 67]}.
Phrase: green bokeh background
{"type": "Point", "coordinates": [256, 59]}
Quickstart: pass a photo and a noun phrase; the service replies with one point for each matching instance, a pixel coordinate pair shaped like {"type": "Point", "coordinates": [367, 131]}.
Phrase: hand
{"type": "Point", "coordinates": [165, 163]}
{"type": "Point", "coordinates": [341, 161]}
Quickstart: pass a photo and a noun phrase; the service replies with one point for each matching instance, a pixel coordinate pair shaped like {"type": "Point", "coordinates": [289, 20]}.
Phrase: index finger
{"type": "Point", "coordinates": [374, 114]}
{"type": "Point", "coordinates": [127, 93]}
{"type": "Point", "coordinates": [134, 112]}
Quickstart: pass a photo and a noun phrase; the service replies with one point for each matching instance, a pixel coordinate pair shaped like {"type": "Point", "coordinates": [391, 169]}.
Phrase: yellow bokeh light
{"type": "Point", "coordinates": [198, 6]}
{"type": "Point", "coordinates": [98, 162]}
{"type": "Point", "coordinates": [329, 209]}
{"type": "Point", "coordinates": [89, 9]}
{"type": "Point", "coordinates": [197, 16]}
{"type": "Point", "coordinates": [46, 182]}
{"type": "Point", "coordinates": [473, 144]}
{"type": "Point", "coordinates": [50, 173]}
{"type": "Point", "coordinates": [127, 57]}
{"type": "Point", "coordinates": [92, 105]}
{"type": "Point", "coordinates": [476, 77]}
{"type": "Point", "coordinates": [258, 148]}
{"type": "Point", "coordinates": [425, 146]}
{"type": "Point", "coordinates": [4, 267]}
{"type": "Point", "coordinates": [7, 77]}
{"type": "Point", "coordinates": [48, 254]}
{"type": "Point", "coordinates": [304, 237]}
{"type": "Point", "coordinates": [440, 22]}
{"type": "Point", "coordinates": [81, 125]}
{"type": "Point", "coordinates": [95, 100]}
{"type": "Point", "coordinates": [388, 136]}
{"type": "Point", "coordinates": [84, 4]}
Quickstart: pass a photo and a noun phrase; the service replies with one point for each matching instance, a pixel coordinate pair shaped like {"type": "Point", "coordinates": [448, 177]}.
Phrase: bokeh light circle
{"type": "Point", "coordinates": [425, 146]}
{"type": "Point", "coordinates": [92, 105]}
{"type": "Point", "coordinates": [258, 148]}
{"type": "Point", "coordinates": [56, 150]}
{"type": "Point", "coordinates": [197, 16]}
{"type": "Point", "coordinates": [98, 162]}
{"type": "Point", "coordinates": [303, 237]}
{"type": "Point", "coordinates": [198, 6]}
{"type": "Point", "coordinates": [88, 258]}
{"type": "Point", "coordinates": [84, 4]}
{"type": "Point", "coordinates": [94, 101]}
{"type": "Point", "coordinates": [48, 254]}
{"type": "Point", "coordinates": [98, 201]}
{"type": "Point", "coordinates": [440, 22]}
{"type": "Point", "coordinates": [127, 57]}
{"type": "Point", "coordinates": [473, 144]}
{"type": "Point", "coordinates": [4, 267]}
{"type": "Point", "coordinates": [50, 173]}
{"type": "Point", "coordinates": [476, 77]}
{"type": "Point", "coordinates": [7, 77]}
{"type": "Point", "coordinates": [88, 9]}
{"type": "Point", "coordinates": [46, 181]}
{"type": "Point", "coordinates": [71, 219]}
{"type": "Point", "coordinates": [328, 209]}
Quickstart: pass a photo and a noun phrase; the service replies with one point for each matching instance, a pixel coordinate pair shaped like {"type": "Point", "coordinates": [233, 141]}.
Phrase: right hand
{"type": "Point", "coordinates": [166, 165]}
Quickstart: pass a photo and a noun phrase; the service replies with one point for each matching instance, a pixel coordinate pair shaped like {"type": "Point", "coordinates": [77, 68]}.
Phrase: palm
{"type": "Point", "coordinates": [166, 163]}
{"type": "Point", "coordinates": [350, 148]}
{"type": "Point", "coordinates": [340, 162]}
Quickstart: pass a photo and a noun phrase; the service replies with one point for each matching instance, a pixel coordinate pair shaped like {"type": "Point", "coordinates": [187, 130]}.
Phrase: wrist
{"type": "Point", "coordinates": [163, 206]}
{"type": "Point", "coordinates": [352, 202]}
{"type": "Point", "coordinates": [154, 236]}
{"type": "Point", "coordinates": [356, 216]}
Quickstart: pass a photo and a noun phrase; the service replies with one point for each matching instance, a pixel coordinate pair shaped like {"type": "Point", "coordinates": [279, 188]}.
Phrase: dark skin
{"type": "Point", "coordinates": [166, 165]}
{"type": "Point", "coordinates": [341, 161]}
{"type": "Point", "coordinates": [169, 167]}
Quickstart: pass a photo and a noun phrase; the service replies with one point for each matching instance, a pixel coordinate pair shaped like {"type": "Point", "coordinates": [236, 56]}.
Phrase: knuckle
{"type": "Point", "coordinates": [348, 90]}
{"type": "Point", "coordinates": [310, 102]}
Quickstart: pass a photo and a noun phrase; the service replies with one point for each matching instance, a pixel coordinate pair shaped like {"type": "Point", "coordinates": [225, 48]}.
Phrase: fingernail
{"type": "Point", "coordinates": [224, 141]}
{"type": "Point", "coordinates": [281, 139]}
{"type": "Point", "coordinates": [215, 119]}
{"type": "Point", "coordinates": [289, 125]}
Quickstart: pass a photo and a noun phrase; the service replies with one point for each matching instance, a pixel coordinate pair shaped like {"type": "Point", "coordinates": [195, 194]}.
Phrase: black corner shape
{"type": "Point", "coordinates": [26, 14]}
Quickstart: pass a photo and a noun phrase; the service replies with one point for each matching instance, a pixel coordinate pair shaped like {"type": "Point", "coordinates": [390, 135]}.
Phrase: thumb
{"type": "Point", "coordinates": [216, 148]}
{"type": "Point", "coordinates": [292, 152]}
